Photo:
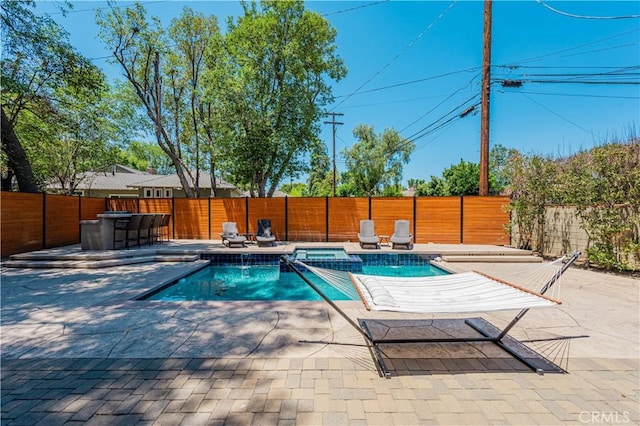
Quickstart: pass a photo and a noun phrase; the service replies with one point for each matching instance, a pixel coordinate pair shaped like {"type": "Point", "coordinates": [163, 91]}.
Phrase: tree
{"type": "Point", "coordinates": [376, 161]}
{"type": "Point", "coordinates": [463, 178]}
{"type": "Point", "coordinates": [532, 187]}
{"type": "Point", "coordinates": [320, 181]}
{"type": "Point", "coordinates": [163, 70]}
{"type": "Point", "coordinates": [274, 77]}
{"type": "Point", "coordinates": [37, 61]}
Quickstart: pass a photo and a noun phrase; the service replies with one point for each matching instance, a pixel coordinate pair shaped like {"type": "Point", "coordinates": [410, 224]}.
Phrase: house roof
{"type": "Point", "coordinates": [173, 181]}
{"type": "Point", "coordinates": [119, 177]}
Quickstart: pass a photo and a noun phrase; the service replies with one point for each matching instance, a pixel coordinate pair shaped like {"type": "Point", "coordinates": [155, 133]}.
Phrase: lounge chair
{"type": "Point", "coordinates": [265, 236]}
{"type": "Point", "coordinates": [401, 236]}
{"type": "Point", "coordinates": [230, 236]}
{"type": "Point", "coordinates": [367, 235]}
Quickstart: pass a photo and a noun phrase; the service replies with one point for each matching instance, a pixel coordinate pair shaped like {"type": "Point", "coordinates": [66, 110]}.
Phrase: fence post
{"type": "Point", "coordinates": [246, 214]}
{"type": "Point", "coordinates": [44, 220]}
{"type": "Point", "coordinates": [369, 207]}
{"type": "Point", "coordinates": [326, 218]}
{"type": "Point", "coordinates": [79, 216]}
{"type": "Point", "coordinates": [462, 219]}
{"type": "Point", "coordinates": [173, 214]}
{"type": "Point", "coordinates": [209, 215]}
{"type": "Point", "coordinates": [415, 226]}
{"type": "Point", "coordinates": [286, 218]}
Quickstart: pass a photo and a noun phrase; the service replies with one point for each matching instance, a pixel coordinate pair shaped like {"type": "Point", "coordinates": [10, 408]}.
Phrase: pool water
{"type": "Point", "coordinates": [267, 283]}
{"type": "Point", "coordinates": [320, 254]}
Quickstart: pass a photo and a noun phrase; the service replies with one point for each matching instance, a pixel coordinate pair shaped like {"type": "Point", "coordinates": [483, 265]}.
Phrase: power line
{"type": "Point", "coordinates": [579, 95]}
{"type": "Point", "coordinates": [572, 15]}
{"type": "Point", "coordinates": [558, 115]}
{"type": "Point", "coordinates": [443, 101]}
{"type": "Point", "coordinates": [355, 8]}
{"type": "Point", "coordinates": [406, 83]}
{"type": "Point", "coordinates": [411, 43]}
{"type": "Point", "coordinates": [540, 57]}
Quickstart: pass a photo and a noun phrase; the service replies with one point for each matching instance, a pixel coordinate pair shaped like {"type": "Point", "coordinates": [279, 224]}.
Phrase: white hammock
{"type": "Point", "coordinates": [465, 292]}
{"type": "Point", "coordinates": [455, 293]}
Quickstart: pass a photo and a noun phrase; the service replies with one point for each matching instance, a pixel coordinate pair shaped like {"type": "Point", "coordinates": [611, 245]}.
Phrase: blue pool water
{"type": "Point", "coordinates": [267, 282]}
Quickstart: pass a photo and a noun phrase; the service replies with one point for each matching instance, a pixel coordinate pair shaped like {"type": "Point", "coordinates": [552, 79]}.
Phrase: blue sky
{"type": "Point", "coordinates": [415, 66]}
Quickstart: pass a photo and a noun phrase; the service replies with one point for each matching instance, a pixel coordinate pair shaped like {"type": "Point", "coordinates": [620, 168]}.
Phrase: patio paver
{"type": "Point", "coordinates": [75, 350]}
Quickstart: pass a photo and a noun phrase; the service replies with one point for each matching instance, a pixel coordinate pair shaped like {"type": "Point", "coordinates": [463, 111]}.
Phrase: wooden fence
{"type": "Point", "coordinates": [36, 221]}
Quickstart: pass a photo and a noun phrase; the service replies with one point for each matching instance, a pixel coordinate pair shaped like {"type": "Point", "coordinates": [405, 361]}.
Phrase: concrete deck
{"type": "Point", "coordinates": [77, 350]}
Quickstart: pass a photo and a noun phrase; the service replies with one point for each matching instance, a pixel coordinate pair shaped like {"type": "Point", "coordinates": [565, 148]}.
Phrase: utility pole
{"type": "Point", "coordinates": [334, 123]}
{"type": "Point", "coordinates": [486, 92]}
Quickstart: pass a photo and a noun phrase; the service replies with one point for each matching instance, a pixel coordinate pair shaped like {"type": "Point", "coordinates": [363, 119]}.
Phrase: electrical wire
{"type": "Point", "coordinates": [545, 56]}
{"type": "Point", "coordinates": [406, 83]}
{"type": "Point", "coordinates": [437, 105]}
{"type": "Point", "coordinates": [579, 95]}
{"type": "Point", "coordinates": [355, 8]}
{"type": "Point", "coordinates": [558, 115]}
{"type": "Point", "coordinates": [407, 47]}
{"type": "Point", "coordinates": [571, 15]}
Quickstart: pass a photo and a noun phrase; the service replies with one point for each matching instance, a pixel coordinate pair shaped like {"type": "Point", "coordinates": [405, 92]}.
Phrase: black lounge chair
{"type": "Point", "coordinates": [265, 236]}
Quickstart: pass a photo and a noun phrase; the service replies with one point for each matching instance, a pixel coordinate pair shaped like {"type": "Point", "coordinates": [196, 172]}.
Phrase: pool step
{"type": "Point", "coordinates": [75, 263]}
{"type": "Point", "coordinates": [492, 259]}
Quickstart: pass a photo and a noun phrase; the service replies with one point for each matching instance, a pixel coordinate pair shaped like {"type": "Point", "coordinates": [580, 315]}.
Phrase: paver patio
{"type": "Point", "coordinates": [77, 350]}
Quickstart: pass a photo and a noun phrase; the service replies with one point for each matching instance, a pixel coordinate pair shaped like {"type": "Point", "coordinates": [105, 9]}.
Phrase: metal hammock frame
{"type": "Point", "coordinates": [489, 332]}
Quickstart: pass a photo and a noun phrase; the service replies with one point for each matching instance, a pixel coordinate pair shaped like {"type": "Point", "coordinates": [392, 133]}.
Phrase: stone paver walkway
{"type": "Point", "coordinates": [77, 350]}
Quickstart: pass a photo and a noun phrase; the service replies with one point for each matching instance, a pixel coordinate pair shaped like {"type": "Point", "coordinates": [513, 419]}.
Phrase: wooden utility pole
{"type": "Point", "coordinates": [334, 123]}
{"type": "Point", "coordinates": [486, 92]}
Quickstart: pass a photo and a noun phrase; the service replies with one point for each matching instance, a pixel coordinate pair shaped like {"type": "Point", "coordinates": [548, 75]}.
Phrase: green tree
{"type": "Point", "coordinates": [164, 69]}
{"type": "Point", "coordinates": [604, 186]}
{"type": "Point", "coordinates": [320, 181]}
{"type": "Point", "coordinates": [532, 186]}
{"type": "Point", "coordinates": [295, 189]}
{"type": "Point", "coordinates": [38, 63]}
{"type": "Point", "coordinates": [274, 79]}
{"type": "Point", "coordinates": [375, 161]}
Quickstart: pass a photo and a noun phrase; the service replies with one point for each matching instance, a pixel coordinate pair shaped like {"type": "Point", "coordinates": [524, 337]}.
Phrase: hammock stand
{"type": "Point", "coordinates": [489, 332]}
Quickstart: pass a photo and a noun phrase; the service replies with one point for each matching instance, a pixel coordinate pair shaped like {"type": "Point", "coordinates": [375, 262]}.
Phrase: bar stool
{"type": "Point", "coordinates": [126, 226]}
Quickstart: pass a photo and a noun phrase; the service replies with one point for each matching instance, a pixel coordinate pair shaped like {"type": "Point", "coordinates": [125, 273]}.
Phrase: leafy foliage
{"type": "Point", "coordinates": [464, 178]}
{"type": "Point", "coordinates": [375, 162]}
{"type": "Point", "coordinates": [273, 76]}
{"type": "Point", "coordinates": [603, 184]}
{"type": "Point", "coordinates": [45, 83]}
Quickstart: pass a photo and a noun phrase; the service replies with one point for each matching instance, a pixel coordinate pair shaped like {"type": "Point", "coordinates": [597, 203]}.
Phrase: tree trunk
{"type": "Point", "coordinates": [16, 158]}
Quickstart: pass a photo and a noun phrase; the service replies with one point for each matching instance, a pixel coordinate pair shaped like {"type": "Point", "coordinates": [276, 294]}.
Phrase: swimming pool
{"type": "Point", "coordinates": [268, 282]}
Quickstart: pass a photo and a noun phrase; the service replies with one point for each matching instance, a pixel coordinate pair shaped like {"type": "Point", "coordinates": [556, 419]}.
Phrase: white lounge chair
{"type": "Point", "coordinates": [402, 235]}
{"type": "Point", "coordinates": [230, 236]}
{"type": "Point", "coordinates": [265, 236]}
{"type": "Point", "coordinates": [367, 234]}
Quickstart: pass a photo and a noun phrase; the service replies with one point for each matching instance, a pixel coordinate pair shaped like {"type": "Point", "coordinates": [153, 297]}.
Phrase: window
{"type": "Point", "coordinates": [148, 193]}
{"type": "Point", "coordinates": [168, 193]}
{"type": "Point", "coordinates": [158, 193]}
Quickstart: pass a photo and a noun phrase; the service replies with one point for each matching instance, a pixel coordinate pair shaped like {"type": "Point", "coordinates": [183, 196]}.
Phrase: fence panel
{"type": "Point", "coordinates": [228, 210]}
{"type": "Point", "coordinates": [438, 220]}
{"type": "Point", "coordinates": [385, 211]}
{"type": "Point", "coordinates": [21, 222]}
{"type": "Point", "coordinates": [344, 217]}
{"type": "Point", "coordinates": [124, 204]}
{"type": "Point", "coordinates": [91, 207]}
{"type": "Point", "coordinates": [268, 208]}
{"type": "Point", "coordinates": [307, 219]}
{"type": "Point", "coordinates": [61, 225]}
{"type": "Point", "coordinates": [191, 218]}
{"type": "Point", "coordinates": [484, 219]}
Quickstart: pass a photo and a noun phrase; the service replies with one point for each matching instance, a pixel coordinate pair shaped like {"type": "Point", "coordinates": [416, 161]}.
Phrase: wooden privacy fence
{"type": "Point", "coordinates": [36, 221]}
